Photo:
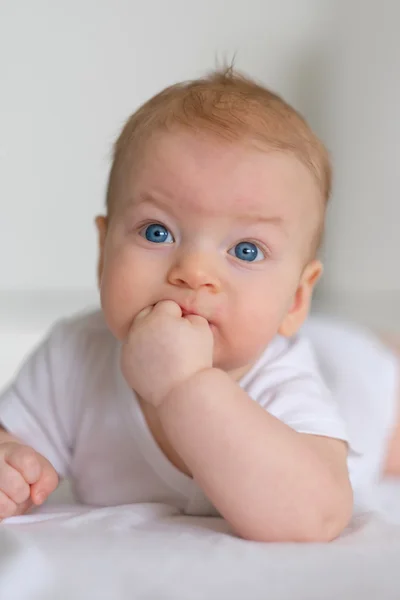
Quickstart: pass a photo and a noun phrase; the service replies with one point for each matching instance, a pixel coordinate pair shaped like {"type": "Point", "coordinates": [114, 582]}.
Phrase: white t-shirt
{"type": "Point", "coordinates": [71, 403]}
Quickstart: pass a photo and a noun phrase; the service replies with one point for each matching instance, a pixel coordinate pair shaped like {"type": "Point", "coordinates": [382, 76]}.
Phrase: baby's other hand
{"type": "Point", "coordinates": [163, 349]}
{"type": "Point", "coordinates": [26, 478]}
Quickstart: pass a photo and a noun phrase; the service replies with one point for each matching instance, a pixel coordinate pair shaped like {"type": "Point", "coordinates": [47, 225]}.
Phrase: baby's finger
{"type": "Point", "coordinates": [24, 507]}
{"type": "Point", "coordinates": [25, 460]}
{"type": "Point", "coordinates": [143, 313]}
{"type": "Point", "coordinates": [13, 484]}
{"type": "Point", "coordinates": [168, 307]}
{"type": "Point", "coordinates": [8, 508]}
{"type": "Point", "coordinates": [46, 484]}
{"type": "Point", "coordinates": [197, 321]}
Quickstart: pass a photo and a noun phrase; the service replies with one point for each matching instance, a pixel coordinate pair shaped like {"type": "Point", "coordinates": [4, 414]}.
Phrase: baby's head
{"type": "Point", "coordinates": [216, 200]}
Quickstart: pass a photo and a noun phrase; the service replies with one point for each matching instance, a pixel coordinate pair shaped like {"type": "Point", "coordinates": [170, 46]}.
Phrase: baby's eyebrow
{"type": "Point", "coordinates": [146, 198]}
{"type": "Point", "coordinates": [277, 220]}
{"type": "Point", "coordinates": [279, 224]}
{"type": "Point", "coordinates": [251, 218]}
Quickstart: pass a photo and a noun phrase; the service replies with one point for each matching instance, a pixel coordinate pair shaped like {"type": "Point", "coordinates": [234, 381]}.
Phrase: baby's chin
{"type": "Point", "coordinates": [235, 366]}
{"type": "Point", "coordinates": [236, 373]}
{"type": "Point", "coordinates": [234, 358]}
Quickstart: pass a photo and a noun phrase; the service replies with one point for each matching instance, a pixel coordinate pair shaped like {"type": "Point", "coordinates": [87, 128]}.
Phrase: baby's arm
{"type": "Point", "coordinates": [269, 481]}
{"type": "Point", "coordinates": [26, 477]}
{"type": "Point", "coordinates": [35, 410]}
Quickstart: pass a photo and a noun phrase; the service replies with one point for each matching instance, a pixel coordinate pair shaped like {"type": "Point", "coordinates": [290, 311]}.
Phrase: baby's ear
{"type": "Point", "coordinates": [101, 226]}
{"type": "Point", "coordinates": [301, 304]}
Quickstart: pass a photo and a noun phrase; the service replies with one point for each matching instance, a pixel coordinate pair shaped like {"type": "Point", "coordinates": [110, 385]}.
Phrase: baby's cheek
{"type": "Point", "coordinates": [252, 342]}
{"type": "Point", "coordinates": [117, 302]}
{"type": "Point", "coordinates": [250, 335]}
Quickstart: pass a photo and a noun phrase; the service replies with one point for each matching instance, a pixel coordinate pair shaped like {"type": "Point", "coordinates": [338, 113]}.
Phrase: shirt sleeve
{"type": "Point", "coordinates": [34, 407]}
{"type": "Point", "coordinates": [363, 376]}
{"type": "Point", "coordinates": [292, 389]}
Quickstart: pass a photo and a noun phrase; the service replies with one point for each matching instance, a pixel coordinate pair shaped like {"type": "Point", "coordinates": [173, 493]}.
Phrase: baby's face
{"type": "Point", "coordinates": [221, 228]}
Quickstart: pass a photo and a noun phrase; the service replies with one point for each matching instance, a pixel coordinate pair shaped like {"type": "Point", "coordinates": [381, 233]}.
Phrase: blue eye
{"type": "Point", "coordinates": [248, 252]}
{"type": "Point", "coordinates": [158, 234]}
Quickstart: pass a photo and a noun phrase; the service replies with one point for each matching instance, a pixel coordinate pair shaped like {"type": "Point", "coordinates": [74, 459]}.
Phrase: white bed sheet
{"type": "Point", "coordinates": [66, 551]}
{"type": "Point", "coordinates": [70, 552]}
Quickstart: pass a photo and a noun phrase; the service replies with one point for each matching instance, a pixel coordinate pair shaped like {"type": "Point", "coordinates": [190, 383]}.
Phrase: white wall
{"type": "Point", "coordinates": [71, 73]}
{"type": "Point", "coordinates": [363, 130]}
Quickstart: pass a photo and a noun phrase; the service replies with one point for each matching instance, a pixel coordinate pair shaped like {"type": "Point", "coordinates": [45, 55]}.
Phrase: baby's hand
{"type": "Point", "coordinates": [163, 349]}
{"type": "Point", "coordinates": [26, 477]}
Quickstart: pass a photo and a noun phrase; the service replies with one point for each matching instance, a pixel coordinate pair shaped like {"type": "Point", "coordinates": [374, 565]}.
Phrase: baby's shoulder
{"type": "Point", "coordinates": [294, 354]}
{"type": "Point", "coordinates": [81, 336]}
{"type": "Point", "coordinates": [87, 322]}
{"type": "Point", "coordinates": [284, 360]}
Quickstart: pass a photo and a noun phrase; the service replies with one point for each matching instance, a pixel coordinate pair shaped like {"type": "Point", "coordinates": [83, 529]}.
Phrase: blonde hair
{"type": "Point", "coordinates": [232, 106]}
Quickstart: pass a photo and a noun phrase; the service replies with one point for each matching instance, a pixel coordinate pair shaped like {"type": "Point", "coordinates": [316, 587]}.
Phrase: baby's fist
{"type": "Point", "coordinates": [163, 349]}
{"type": "Point", "coordinates": [26, 477]}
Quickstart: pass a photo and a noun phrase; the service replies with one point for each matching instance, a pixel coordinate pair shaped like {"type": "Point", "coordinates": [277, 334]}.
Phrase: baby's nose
{"type": "Point", "coordinates": [195, 271]}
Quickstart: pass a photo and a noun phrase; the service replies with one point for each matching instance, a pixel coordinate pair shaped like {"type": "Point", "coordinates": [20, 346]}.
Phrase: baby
{"type": "Point", "coordinates": [197, 384]}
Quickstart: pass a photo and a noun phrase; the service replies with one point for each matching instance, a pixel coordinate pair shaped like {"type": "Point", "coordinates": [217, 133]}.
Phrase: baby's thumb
{"type": "Point", "coordinates": [143, 313]}
{"type": "Point", "coordinates": [46, 484]}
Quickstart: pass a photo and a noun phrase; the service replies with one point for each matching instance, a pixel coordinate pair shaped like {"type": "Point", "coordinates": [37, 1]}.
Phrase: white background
{"type": "Point", "coordinates": [71, 73]}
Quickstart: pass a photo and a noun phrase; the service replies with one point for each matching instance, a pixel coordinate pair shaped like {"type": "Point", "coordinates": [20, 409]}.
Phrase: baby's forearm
{"type": "Point", "coordinates": [260, 474]}
{"type": "Point", "coordinates": [6, 437]}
